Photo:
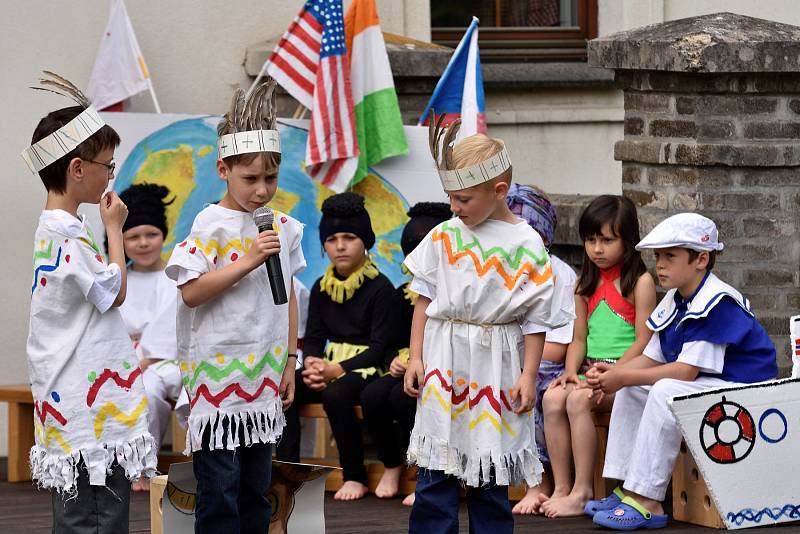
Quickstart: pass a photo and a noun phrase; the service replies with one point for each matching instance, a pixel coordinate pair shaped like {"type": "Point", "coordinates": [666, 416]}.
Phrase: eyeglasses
{"type": "Point", "coordinates": [109, 166]}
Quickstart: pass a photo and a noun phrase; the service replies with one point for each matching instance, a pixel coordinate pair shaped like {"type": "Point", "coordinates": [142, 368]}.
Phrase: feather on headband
{"type": "Point", "coordinates": [249, 124]}
{"type": "Point", "coordinates": [64, 140]}
{"type": "Point", "coordinates": [442, 140]}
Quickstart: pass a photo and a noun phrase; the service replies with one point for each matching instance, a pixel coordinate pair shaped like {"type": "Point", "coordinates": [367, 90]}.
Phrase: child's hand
{"type": "Point", "coordinates": [523, 394]}
{"type": "Point", "coordinates": [397, 368]}
{"type": "Point", "coordinates": [415, 375]}
{"type": "Point", "coordinates": [595, 372]}
{"type": "Point", "coordinates": [312, 373]}
{"type": "Point", "coordinates": [609, 380]}
{"type": "Point", "coordinates": [113, 211]}
{"type": "Point", "coordinates": [564, 380]}
{"type": "Point", "coordinates": [265, 244]}
{"type": "Point", "coordinates": [286, 389]}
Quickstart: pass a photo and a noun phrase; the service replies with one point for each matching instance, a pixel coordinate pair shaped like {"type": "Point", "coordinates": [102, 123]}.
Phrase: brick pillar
{"type": "Point", "coordinates": [712, 125]}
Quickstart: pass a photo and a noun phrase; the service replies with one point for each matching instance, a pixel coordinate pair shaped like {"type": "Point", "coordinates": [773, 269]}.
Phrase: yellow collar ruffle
{"type": "Point", "coordinates": [342, 290]}
{"type": "Point", "coordinates": [409, 295]}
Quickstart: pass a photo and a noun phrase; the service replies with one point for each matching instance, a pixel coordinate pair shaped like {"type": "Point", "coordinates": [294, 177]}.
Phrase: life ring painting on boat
{"type": "Point", "coordinates": [744, 440]}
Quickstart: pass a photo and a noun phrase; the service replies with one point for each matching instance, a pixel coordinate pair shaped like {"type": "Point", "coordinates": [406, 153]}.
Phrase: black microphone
{"type": "Point", "coordinates": [263, 218]}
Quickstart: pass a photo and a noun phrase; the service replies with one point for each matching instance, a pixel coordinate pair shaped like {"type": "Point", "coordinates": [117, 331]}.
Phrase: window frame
{"type": "Point", "coordinates": [530, 43]}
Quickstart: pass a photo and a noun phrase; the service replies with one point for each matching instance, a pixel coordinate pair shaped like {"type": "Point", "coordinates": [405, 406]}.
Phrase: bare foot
{"type": "Point", "coordinates": [531, 502]}
{"type": "Point", "coordinates": [143, 484]}
{"type": "Point", "coordinates": [409, 500]}
{"type": "Point", "coordinates": [351, 491]}
{"type": "Point", "coordinates": [570, 506]}
{"type": "Point", "coordinates": [390, 481]}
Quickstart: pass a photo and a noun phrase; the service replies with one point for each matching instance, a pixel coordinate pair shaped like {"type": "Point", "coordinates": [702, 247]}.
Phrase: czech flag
{"type": "Point", "coordinates": [459, 92]}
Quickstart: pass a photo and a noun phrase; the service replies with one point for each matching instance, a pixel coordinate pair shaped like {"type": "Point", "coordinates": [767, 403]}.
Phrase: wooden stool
{"type": "Point", "coordinates": [20, 429]}
{"type": "Point", "coordinates": [691, 502]}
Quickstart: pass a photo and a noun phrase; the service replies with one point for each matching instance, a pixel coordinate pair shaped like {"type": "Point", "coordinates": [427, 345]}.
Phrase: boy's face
{"type": "Point", "coordinates": [674, 270]}
{"type": "Point", "coordinates": [90, 178]}
{"type": "Point", "coordinates": [143, 245]}
{"type": "Point", "coordinates": [346, 252]}
{"type": "Point", "coordinates": [249, 186]}
{"type": "Point", "coordinates": [478, 203]}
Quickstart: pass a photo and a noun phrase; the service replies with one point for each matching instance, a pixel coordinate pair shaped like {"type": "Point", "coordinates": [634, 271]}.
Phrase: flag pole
{"type": "Point", "coordinates": [153, 95]}
{"type": "Point", "coordinates": [258, 79]}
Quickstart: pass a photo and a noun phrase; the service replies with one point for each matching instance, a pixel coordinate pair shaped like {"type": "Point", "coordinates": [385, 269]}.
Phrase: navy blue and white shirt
{"type": "Point", "coordinates": [714, 329]}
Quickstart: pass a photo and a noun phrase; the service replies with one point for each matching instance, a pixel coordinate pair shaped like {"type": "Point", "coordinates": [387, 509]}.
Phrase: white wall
{"type": "Point", "coordinates": [561, 140]}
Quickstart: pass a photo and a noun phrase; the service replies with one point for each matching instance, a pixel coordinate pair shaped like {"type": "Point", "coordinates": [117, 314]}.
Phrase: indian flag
{"type": "Point", "coordinates": [378, 122]}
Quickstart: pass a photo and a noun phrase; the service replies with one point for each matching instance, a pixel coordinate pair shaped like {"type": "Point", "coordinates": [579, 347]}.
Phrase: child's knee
{"type": "Point", "coordinates": [554, 401]}
{"type": "Point", "coordinates": [578, 401]}
{"type": "Point", "coordinates": [663, 389]}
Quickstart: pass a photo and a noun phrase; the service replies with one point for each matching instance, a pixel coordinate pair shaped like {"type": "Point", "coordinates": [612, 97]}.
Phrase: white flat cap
{"type": "Point", "coordinates": [686, 230]}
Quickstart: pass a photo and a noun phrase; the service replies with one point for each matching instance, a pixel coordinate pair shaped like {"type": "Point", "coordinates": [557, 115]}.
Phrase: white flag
{"type": "Point", "coordinates": [119, 70]}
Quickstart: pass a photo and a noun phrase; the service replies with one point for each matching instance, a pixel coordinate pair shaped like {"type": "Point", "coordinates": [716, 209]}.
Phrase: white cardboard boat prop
{"type": "Point", "coordinates": [745, 440]}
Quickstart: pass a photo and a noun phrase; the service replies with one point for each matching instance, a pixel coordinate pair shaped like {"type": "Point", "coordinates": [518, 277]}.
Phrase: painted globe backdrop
{"type": "Point", "coordinates": [183, 155]}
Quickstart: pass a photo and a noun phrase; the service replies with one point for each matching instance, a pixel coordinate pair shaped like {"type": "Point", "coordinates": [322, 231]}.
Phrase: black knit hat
{"type": "Point", "coordinates": [146, 206]}
{"type": "Point", "coordinates": [345, 212]}
{"type": "Point", "coordinates": [424, 218]}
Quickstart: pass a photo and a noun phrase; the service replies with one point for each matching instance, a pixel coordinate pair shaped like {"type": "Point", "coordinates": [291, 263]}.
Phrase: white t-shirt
{"type": "Point", "coordinates": [232, 349]}
{"type": "Point", "coordinates": [149, 314]}
{"type": "Point", "coordinates": [88, 396]}
{"type": "Point", "coordinates": [709, 357]}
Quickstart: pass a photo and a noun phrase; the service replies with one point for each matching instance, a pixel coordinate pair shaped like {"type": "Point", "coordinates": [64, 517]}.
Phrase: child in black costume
{"type": "Point", "coordinates": [353, 323]}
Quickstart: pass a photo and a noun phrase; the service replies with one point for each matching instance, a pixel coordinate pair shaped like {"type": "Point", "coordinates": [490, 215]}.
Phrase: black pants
{"type": "Point", "coordinates": [338, 399]}
{"type": "Point", "coordinates": [95, 509]}
{"type": "Point", "coordinates": [384, 402]}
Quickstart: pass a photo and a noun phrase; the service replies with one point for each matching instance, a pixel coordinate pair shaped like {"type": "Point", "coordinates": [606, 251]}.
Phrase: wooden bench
{"type": "Point", "coordinates": [20, 429]}
{"type": "Point", "coordinates": [326, 453]}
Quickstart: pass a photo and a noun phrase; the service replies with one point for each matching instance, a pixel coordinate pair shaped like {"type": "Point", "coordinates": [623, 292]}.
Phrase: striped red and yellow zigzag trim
{"type": "Point", "coordinates": [460, 402]}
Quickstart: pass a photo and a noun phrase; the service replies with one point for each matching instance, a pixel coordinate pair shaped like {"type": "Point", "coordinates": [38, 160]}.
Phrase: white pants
{"type": "Point", "coordinates": [162, 385]}
{"type": "Point", "coordinates": [643, 436]}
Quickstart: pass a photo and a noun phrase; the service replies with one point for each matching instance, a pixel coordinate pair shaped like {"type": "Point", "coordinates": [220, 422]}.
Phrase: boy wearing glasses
{"type": "Point", "coordinates": [90, 423]}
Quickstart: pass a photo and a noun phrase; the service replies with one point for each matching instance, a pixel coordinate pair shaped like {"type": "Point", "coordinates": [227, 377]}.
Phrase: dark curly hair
{"type": "Point", "coordinates": [146, 205]}
{"type": "Point", "coordinates": [345, 212]}
{"type": "Point", "coordinates": [424, 217]}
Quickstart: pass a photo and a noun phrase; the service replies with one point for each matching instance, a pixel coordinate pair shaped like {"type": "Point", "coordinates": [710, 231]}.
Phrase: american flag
{"type": "Point", "coordinates": [310, 62]}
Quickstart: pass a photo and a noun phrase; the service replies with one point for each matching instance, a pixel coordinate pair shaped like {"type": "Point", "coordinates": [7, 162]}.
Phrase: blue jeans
{"type": "Point", "coordinates": [232, 489]}
{"type": "Point", "coordinates": [435, 509]}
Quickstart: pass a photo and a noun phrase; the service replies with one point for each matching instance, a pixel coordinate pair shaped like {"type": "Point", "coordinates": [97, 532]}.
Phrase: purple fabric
{"type": "Point", "coordinates": [529, 204]}
{"type": "Point", "coordinates": [548, 371]}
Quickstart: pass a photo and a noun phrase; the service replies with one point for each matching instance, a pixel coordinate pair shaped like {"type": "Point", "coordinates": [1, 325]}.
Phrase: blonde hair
{"type": "Point", "coordinates": [477, 148]}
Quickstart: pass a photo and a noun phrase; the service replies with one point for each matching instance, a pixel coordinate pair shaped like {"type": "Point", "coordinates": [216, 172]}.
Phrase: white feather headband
{"type": "Point", "coordinates": [64, 140]}
{"type": "Point", "coordinates": [249, 124]}
{"type": "Point", "coordinates": [441, 142]}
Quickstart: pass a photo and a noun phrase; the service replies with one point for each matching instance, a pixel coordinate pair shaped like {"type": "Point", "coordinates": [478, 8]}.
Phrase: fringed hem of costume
{"type": "Point", "coordinates": [509, 468]}
{"type": "Point", "coordinates": [342, 290]}
{"type": "Point", "coordinates": [138, 457]}
{"type": "Point", "coordinates": [264, 426]}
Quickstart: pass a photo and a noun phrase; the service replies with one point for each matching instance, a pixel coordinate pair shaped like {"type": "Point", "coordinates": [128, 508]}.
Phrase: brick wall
{"type": "Point", "coordinates": [715, 129]}
{"type": "Point", "coordinates": [723, 154]}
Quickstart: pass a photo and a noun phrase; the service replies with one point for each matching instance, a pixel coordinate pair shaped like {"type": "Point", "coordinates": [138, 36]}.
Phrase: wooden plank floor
{"type": "Point", "coordinates": [25, 510]}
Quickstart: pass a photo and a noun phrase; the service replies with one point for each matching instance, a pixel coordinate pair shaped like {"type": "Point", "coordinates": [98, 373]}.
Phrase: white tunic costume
{"type": "Point", "coordinates": [88, 396]}
{"type": "Point", "coordinates": [232, 349]}
{"type": "Point", "coordinates": [149, 314]}
{"type": "Point", "coordinates": [488, 286]}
